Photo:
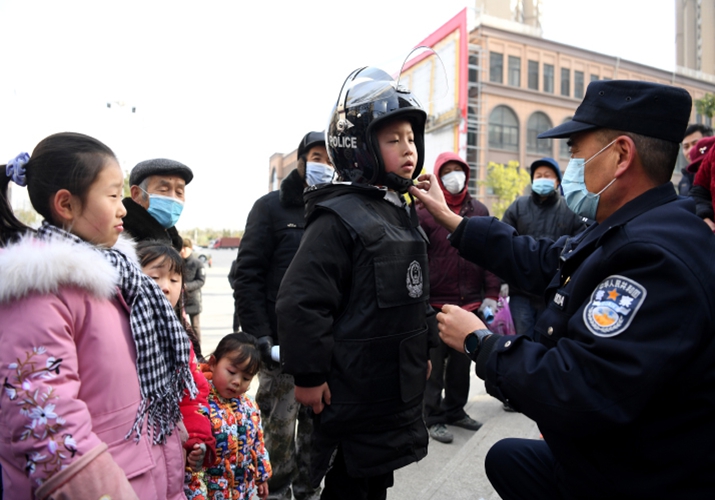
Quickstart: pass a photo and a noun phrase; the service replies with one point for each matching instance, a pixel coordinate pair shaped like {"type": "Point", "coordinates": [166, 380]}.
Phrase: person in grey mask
{"type": "Point", "coordinates": [273, 232]}
{"type": "Point", "coordinates": [621, 381]}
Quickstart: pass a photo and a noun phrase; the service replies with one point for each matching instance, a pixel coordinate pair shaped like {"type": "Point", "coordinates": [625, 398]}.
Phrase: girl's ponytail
{"type": "Point", "coordinates": [10, 227]}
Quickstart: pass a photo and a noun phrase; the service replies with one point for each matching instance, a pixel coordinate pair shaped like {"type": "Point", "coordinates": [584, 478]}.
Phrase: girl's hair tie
{"type": "Point", "coordinates": [15, 169]}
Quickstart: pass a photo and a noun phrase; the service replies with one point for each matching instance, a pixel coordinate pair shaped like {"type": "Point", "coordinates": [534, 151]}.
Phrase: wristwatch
{"type": "Point", "coordinates": [473, 342]}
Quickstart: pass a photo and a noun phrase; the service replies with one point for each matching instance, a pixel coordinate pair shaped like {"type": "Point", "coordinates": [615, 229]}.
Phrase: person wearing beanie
{"type": "Point", "coordinates": [541, 214]}
{"type": "Point", "coordinates": [273, 232]}
{"type": "Point", "coordinates": [453, 280]}
{"type": "Point", "coordinates": [157, 198]}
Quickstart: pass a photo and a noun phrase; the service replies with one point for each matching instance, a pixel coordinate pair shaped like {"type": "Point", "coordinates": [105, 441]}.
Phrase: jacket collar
{"type": "Point", "coordinates": [35, 266]}
{"type": "Point", "coordinates": [655, 197]}
{"type": "Point", "coordinates": [291, 194]}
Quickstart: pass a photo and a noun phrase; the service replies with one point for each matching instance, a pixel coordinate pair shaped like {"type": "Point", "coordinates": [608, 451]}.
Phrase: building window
{"type": "Point", "coordinates": [564, 152]}
{"type": "Point", "coordinates": [515, 71]}
{"type": "Point", "coordinates": [565, 82]}
{"type": "Point", "coordinates": [538, 123]}
{"type": "Point", "coordinates": [473, 149]}
{"type": "Point", "coordinates": [578, 84]}
{"type": "Point", "coordinates": [534, 75]}
{"type": "Point", "coordinates": [503, 129]}
{"type": "Point", "coordinates": [496, 67]}
{"type": "Point", "coordinates": [594, 78]}
{"type": "Point", "coordinates": [549, 78]}
{"type": "Point", "coordinates": [473, 68]}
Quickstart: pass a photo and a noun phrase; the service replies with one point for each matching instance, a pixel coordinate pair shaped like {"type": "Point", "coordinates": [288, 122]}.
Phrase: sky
{"type": "Point", "coordinates": [221, 85]}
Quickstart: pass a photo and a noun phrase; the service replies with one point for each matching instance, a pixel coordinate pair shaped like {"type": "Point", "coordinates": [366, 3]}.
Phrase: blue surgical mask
{"type": "Point", "coordinates": [543, 187]}
{"type": "Point", "coordinates": [165, 209]}
{"type": "Point", "coordinates": [578, 198]}
{"type": "Point", "coordinates": [318, 173]}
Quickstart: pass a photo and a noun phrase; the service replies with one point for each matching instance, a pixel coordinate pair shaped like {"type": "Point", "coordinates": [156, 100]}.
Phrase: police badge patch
{"type": "Point", "coordinates": [613, 304]}
{"type": "Point", "coordinates": [414, 279]}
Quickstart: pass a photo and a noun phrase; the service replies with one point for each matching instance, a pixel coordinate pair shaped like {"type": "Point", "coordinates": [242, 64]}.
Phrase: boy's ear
{"type": "Point", "coordinates": [64, 205]}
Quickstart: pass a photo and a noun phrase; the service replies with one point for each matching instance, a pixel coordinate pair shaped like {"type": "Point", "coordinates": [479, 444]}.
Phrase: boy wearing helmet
{"type": "Point", "coordinates": [353, 313]}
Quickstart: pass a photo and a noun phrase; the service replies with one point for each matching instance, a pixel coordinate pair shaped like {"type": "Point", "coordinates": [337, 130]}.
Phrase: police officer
{"type": "Point", "coordinates": [622, 380]}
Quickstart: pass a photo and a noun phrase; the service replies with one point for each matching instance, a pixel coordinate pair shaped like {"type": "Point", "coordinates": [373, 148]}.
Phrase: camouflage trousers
{"type": "Point", "coordinates": [288, 448]}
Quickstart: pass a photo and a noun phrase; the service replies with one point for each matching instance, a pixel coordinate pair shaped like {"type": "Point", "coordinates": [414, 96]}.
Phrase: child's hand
{"type": "Point", "coordinates": [263, 491]}
{"type": "Point", "coordinates": [195, 459]}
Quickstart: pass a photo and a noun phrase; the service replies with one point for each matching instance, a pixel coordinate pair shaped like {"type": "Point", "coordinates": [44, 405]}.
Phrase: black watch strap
{"type": "Point", "coordinates": [473, 342]}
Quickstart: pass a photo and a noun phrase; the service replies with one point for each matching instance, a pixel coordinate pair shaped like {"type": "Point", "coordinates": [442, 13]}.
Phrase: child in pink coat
{"type": "Point", "coordinates": [93, 359]}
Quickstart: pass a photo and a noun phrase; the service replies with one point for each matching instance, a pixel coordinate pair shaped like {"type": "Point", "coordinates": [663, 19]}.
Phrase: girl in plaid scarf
{"type": "Point", "coordinates": [94, 360]}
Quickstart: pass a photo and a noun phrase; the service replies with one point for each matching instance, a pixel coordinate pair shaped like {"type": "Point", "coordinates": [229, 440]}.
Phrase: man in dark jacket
{"type": "Point", "coordinates": [621, 382]}
{"type": "Point", "coordinates": [542, 214]}
{"type": "Point", "coordinates": [194, 279]}
{"type": "Point", "coordinates": [454, 280]}
{"type": "Point", "coordinates": [273, 232]}
{"type": "Point", "coordinates": [157, 199]}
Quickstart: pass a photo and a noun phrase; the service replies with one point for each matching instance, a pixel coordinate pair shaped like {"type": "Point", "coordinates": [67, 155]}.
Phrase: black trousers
{"type": "Point", "coordinates": [341, 486]}
{"type": "Point", "coordinates": [450, 371]}
{"type": "Point", "coordinates": [522, 469]}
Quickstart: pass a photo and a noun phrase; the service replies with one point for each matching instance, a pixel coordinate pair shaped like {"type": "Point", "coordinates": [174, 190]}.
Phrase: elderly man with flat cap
{"type": "Point", "coordinates": [622, 380]}
{"type": "Point", "coordinates": [157, 199]}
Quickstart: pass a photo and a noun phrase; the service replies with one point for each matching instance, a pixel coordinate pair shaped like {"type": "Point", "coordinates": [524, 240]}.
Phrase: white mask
{"type": "Point", "coordinates": [454, 181]}
{"type": "Point", "coordinates": [318, 173]}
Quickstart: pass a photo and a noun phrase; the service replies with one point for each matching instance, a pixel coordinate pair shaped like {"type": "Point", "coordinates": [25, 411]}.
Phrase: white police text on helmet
{"type": "Point", "coordinates": [343, 142]}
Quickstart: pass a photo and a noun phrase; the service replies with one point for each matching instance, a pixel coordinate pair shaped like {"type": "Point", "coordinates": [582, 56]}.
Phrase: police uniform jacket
{"type": "Point", "coordinates": [353, 311]}
{"type": "Point", "coordinates": [273, 231]}
{"type": "Point", "coordinates": [622, 383]}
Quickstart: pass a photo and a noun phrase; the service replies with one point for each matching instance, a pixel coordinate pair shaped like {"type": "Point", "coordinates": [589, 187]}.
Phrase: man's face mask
{"type": "Point", "coordinates": [577, 196]}
{"type": "Point", "coordinates": [318, 173]}
{"type": "Point", "coordinates": [165, 209]}
{"type": "Point", "coordinates": [543, 186]}
{"type": "Point", "coordinates": [454, 181]}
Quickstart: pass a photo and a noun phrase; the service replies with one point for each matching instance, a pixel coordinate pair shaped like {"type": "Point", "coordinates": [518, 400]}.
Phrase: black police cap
{"type": "Point", "coordinates": [159, 166]}
{"type": "Point", "coordinates": [644, 108]}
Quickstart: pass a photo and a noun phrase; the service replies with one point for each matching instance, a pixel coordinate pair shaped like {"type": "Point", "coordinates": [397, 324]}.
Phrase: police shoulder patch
{"type": "Point", "coordinates": [613, 305]}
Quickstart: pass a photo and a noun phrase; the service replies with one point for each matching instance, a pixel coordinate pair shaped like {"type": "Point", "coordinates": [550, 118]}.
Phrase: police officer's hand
{"type": "Point", "coordinates": [428, 192]}
{"type": "Point", "coordinates": [455, 324]}
{"type": "Point", "coordinates": [315, 397]}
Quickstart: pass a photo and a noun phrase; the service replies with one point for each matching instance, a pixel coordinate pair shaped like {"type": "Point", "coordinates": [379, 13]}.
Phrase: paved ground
{"type": "Point", "coordinates": [450, 471]}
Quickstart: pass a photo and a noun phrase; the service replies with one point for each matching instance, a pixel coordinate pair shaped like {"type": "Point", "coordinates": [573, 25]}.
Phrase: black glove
{"type": "Point", "coordinates": [264, 345]}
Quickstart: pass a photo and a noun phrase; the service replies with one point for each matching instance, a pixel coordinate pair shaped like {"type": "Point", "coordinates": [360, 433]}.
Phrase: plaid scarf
{"type": "Point", "coordinates": [162, 344]}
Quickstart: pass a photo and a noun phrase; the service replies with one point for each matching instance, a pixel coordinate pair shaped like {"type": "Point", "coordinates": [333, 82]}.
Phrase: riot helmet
{"type": "Point", "coordinates": [369, 98]}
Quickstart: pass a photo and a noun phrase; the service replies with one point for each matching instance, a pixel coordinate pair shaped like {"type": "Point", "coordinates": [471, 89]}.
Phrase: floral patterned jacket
{"type": "Point", "coordinates": [241, 456]}
{"type": "Point", "coordinates": [70, 387]}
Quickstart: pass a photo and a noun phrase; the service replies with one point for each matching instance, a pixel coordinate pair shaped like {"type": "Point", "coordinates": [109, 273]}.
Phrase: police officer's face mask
{"type": "Point", "coordinates": [578, 198]}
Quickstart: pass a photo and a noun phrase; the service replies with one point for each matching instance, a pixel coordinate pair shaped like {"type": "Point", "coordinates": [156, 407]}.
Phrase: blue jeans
{"type": "Point", "coordinates": [525, 311]}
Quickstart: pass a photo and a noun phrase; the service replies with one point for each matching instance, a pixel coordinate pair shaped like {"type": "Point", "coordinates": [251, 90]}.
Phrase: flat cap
{"type": "Point", "coordinates": [159, 166]}
{"type": "Point", "coordinates": [644, 108]}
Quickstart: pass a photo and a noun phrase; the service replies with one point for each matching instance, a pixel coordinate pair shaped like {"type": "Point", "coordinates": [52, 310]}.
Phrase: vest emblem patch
{"type": "Point", "coordinates": [613, 305]}
{"type": "Point", "coordinates": [414, 279]}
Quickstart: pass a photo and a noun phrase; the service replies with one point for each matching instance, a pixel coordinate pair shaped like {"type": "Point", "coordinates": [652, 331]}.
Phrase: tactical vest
{"type": "Point", "coordinates": [380, 353]}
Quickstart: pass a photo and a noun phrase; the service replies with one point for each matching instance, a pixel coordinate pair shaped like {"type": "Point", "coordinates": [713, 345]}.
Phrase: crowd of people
{"type": "Point", "coordinates": [364, 289]}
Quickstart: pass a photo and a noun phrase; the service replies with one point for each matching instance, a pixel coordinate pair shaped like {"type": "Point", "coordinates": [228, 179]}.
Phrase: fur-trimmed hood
{"type": "Point", "coordinates": [36, 266]}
